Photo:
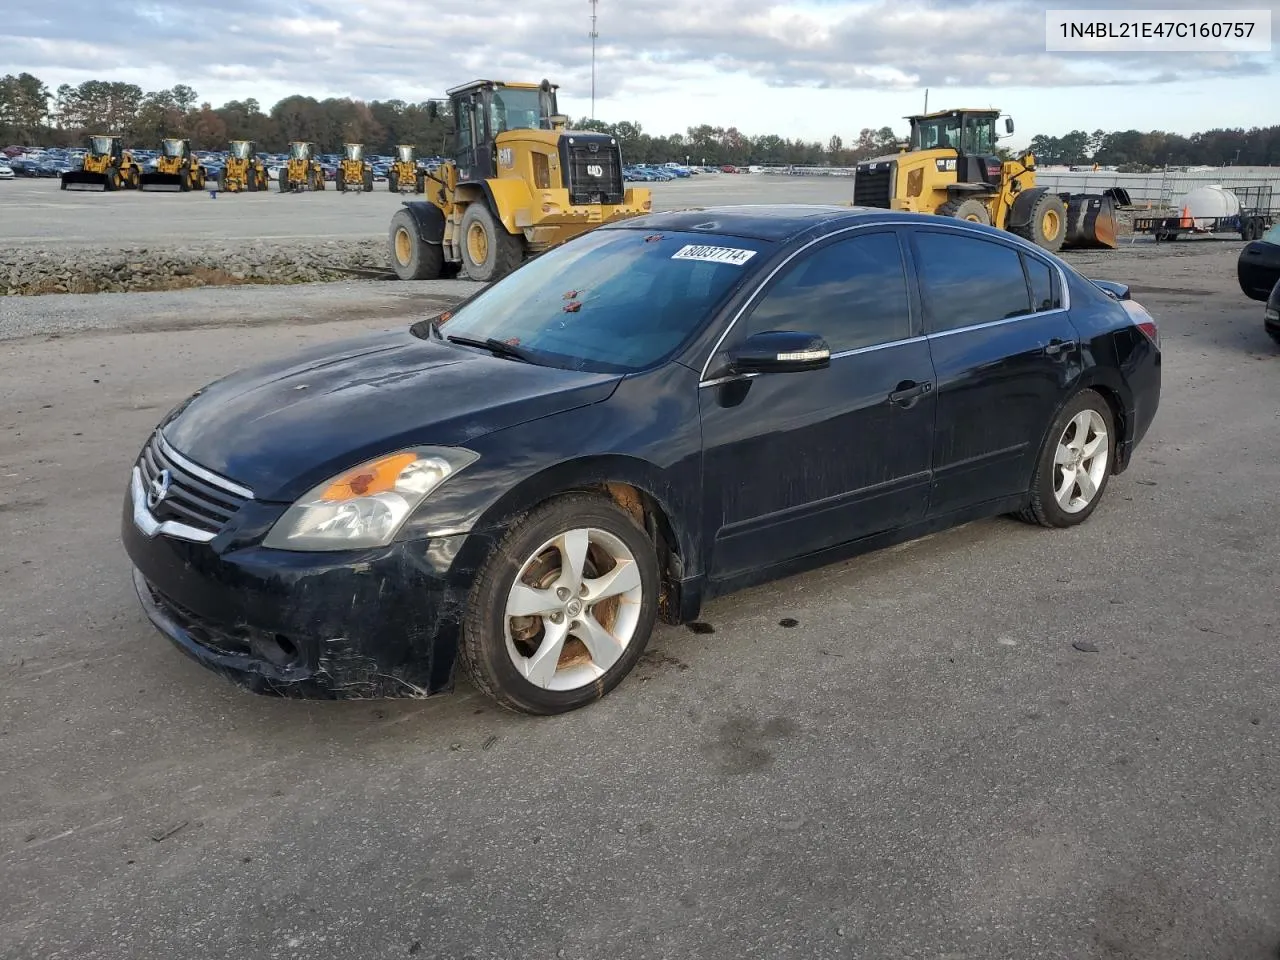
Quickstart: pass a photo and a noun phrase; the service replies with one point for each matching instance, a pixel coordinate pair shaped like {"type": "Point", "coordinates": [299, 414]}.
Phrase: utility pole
{"type": "Point", "coordinates": [926, 92]}
{"type": "Point", "coordinates": [594, 35]}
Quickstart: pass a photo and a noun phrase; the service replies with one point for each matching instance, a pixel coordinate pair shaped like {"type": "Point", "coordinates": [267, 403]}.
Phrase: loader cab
{"type": "Point", "coordinates": [175, 148]}
{"type": "Point", "coordinates": [106, 146]}
{"type": "Point", "coordinates": [300, 150]}
{"type": "Point", "coordinates": [483, 109]}
{"type": "Point", "coordinates": [404, 153]}
{"type": "Point", "coordinates": [242, 149]}
{"type": "Point", "coordinates": [354, 151]}
{"type": "Point", "coordinates": [972, 134]}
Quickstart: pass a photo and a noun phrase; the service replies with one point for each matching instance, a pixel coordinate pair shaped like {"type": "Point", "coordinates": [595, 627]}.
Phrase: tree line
{"type": "Point", "coordinates": [32, 114]}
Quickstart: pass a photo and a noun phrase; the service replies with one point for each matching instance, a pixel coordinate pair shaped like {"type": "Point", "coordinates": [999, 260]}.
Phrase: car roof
{"type": "Point", "coordinates": [773, 221]}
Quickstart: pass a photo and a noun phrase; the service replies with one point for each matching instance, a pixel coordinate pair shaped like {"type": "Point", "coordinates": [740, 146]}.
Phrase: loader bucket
{"type": "Point", "coordinates": [73, 178]}
{"type": "Point", "coordinates": [1091, 222]}
{"type": "Point", "coordinates": [157, 179]}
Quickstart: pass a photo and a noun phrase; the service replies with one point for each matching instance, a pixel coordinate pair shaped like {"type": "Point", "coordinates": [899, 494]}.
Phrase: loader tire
{"type": "Point", "coordinates": [393, 181]}
{"type": "Point", "coordinates": [1048, 226]}
{"type": "Point", "coordinates": [112, 176]}
{"type": "Point", "coordinates": [488, 252]}
{"type": "Point", "coordinates": [368, 181]}
{"type": "Point", "coordinates": [412, 258]}
{"type": "Point", "coordinates": [420, 183]}
{"type": "Point", "coordinates": [970, 209]}
{"type": "Point", "coordinates": [340, 182]}
{"type": "Point", "coordinates": [284, 181]}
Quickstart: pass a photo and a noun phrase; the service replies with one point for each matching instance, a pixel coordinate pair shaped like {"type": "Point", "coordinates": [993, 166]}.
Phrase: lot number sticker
{"type": "Point", "coordinates": [696, 251]}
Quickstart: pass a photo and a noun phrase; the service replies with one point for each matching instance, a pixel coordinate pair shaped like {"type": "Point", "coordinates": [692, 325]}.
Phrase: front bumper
{"type": "Point", "coordinates": [351, 625]}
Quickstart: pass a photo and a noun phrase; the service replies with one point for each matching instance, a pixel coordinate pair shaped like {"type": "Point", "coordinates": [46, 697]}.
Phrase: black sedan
{"type": "Point", "coordinates": [660, 411]}
{"type": "Point", "coordinates": [1258, 269]}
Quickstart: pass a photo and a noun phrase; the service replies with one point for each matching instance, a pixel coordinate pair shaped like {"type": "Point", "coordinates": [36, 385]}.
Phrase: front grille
{"type": "Point", "coordinates": [202, 502]}
{"type": "Point", "coordinates": [595, 173]}
{"type": "Point", "coordinates": [873, 186]}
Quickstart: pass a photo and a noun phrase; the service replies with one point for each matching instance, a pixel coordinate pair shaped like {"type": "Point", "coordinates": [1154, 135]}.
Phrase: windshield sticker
{"type": "Point", "coordinates": [696, 251]}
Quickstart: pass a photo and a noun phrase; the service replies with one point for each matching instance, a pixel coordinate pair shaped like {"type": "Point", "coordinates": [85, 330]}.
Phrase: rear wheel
{"type": "Point", "coordinates": [368, 181]}
{"type": "Point", "coordinates": [1048, 226]}
{"type": "Point", "coordinates": [563, 608]}
{"type": "Point", "coordinates": [412, 258]}
{"type": "Point", "coordinates": [284, 180]}
{"type": "Point", "coordinates": [393, 181]}
{"type": "Point", "coordinates": [1074, 464]}
{"type": "Point", "coordinates": [970, 209]}
{"type": "Point", "coordinates": [488, 251]}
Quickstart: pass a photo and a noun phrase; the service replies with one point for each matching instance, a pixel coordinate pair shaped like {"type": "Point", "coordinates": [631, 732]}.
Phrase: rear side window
{"type": "Point", "coordinates": [1044, 295]}
{"type": "Point", "coordinates": [966, 281]}
{"type": "Point", "coordinates": [852, 293]}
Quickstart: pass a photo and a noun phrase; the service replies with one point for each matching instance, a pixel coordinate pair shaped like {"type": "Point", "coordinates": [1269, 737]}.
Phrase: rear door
{"type": "Point", "coordinates": [797, 462]}
{"type": "Point", "coordinates": [1004, 350]}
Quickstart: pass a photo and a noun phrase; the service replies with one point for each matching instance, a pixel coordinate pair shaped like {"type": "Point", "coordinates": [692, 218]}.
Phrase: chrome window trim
{"type": "Point", "coordinates": [152, 527]}
{"type": "Point", "coordinates": [208, 476]}
{"type": "Point", "coordinates": [1012, 240]}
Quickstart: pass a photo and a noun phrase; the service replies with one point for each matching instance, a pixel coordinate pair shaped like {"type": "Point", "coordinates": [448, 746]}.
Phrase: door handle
{"type": "Point", "coordinates": [907, 392]}
{"type": "Point", "coordinates": [1056, 346]}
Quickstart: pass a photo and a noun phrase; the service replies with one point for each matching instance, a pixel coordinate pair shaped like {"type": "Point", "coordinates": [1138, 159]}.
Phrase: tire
{"type": "Point", "coordinates": [420, 183]}
{"type": "Point", "coordinates": [502, 252]}
{"type": "Point", "coordinates": [499, 650]}
{"type": "Point", "coordinates": [368, 181]}
{"type": "Point", "coordinates": [284, 180]}
{"type": "Point", "coordinates": [970, 209]}
{"type": "Point", "coordinates": [112, 176]}
{"type": "Point", "coordinates": [340, 182]}
{"type": "Point", "coordinates": [393, 181]}
{"type": "Point", "coordinates": [1047, 212]}
{"type": "Point", "coordinates": [1051, 503]}
{"type": "Point", "coordinates": [412, 258]}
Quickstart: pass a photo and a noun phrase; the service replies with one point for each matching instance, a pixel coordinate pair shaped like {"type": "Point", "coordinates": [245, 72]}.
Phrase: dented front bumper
{"type": "Point", "coordinates": [358, 625]}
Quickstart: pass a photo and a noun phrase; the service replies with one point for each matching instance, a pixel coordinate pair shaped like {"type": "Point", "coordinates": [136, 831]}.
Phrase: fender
{"type": "Point", "coordinates": [1020, 209]}
{"type": "Point", "coordinates": [429, 218]}
{"type": "Point", "coordinates": [507, 197]}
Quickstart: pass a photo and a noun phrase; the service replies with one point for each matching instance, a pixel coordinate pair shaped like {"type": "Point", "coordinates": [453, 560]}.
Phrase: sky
{"type": "Point", "coordinates": [805, 69]}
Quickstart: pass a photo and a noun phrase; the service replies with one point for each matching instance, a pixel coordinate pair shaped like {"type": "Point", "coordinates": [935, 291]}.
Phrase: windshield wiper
{"type": "Point", "coordinates": [495, 346]}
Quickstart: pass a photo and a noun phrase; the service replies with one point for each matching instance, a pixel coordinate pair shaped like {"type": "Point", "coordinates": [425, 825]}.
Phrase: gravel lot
{"type": "Point", "coordinates": [922, 767]}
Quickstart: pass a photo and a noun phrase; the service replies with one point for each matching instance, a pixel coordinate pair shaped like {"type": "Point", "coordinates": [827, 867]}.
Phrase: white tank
{"type": "Point", "coordinates": [1203, 204]}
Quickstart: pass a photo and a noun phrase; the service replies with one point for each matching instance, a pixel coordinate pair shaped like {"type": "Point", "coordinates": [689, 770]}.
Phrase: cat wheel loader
{"type": "Point", "coordinates": [107, 165]}
{"type": "Point", "coordinates": [302, 171]}
{"type": "Point", "coordinates": [950, 168]}
{"type": "Point", "coordinates": [244, 170]}
{"type": "Point", "coordinates": [175, 167]}
{"type": "Point", "coordinates": [403, 176]}
{"type": "Point", "coordinates": [354, 171]}
{"type": "Point", "coordinates": [518, 183]}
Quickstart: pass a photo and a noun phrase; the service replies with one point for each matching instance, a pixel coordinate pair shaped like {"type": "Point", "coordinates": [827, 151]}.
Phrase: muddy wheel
{"type": "Point", "coordinates": [563, 608]}
{"type": "Point", "coordinates": [1048, 226]}
{"type": "Point", "coordinates": [284, 180]}
{"type": "Point", "coordinates": [488, 251]}
{"type": "Point", "coordinates": [420, 183]}
{"type": "Point", "coordinates": [368, 181]}
{"type": "Point", "coordinates": [970, 209]}
{"type": "Point", "coordinates": [393, 181]}
{"type": "Point", "coordinates": [340, 182]}
{"type": "Point", "coordinates": [412, 258]}
{"type": "Point", "coordinates": [112, 179]}
{"type": "Point", "coordinates": [1074, 464]}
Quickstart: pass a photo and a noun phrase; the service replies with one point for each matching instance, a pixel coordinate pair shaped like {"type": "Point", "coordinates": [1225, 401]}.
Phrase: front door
{"type": "Point", "coordinates": [1004, 350]}
{"type": "Point", "coordinates": [798, 462]}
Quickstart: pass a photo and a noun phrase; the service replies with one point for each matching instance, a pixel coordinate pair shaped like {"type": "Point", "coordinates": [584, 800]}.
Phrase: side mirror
{"type": "Point", "coordinates": [780, 351]}
{"type": "Point", "coordinates": [1008, 124]}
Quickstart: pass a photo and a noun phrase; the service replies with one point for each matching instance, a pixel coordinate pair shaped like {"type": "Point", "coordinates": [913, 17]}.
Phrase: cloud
{"type": "Point", "coordinates": [385, 49]}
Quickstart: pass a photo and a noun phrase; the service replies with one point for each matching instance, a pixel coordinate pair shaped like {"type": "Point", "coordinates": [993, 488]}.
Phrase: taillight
{"type": "Point", "coordinates": [1142, 320]}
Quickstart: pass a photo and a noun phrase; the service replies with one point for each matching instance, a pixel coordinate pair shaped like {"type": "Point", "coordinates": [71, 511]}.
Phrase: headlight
{"type": "Point", "coordinates": [366, 505]}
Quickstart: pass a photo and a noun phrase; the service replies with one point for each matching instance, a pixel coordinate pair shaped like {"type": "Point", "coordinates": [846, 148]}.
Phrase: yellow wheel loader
{"type": "Point", "coordinates": [403, 176]}
{"type": "Point", "coordinates": [517, 184]}
{"type": "Point", "coordinates": [244, 169]}
{"type": "Point", "coordinates": [950, 168]}
{"type": "Point", "coordinates": [107, 165]}
{"type": "Point", "coordinates": [175, 167]}
{"type": "Point", "coordinates": [354, 171]}
{"type": "Point", "coordinates": [302, 171]}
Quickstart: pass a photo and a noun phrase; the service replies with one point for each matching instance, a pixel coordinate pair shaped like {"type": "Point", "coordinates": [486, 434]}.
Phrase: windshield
{"type": "Point", "coordinates": [173, 148]}
{"type": "Point", "coordinates": [610, 301]}
{"type": "Point", "coordinates": [516, 110]}
{"type": "Point", "coordinates": [300, 151]}
{"type": "Point", "coordinates": [102, 144]}
{"type": "Point", "coordinates": [405, 154]}
{"type": "Point", "coordinates": [240, 149]}
{"type": "Point", "coordinates": [355, 151]}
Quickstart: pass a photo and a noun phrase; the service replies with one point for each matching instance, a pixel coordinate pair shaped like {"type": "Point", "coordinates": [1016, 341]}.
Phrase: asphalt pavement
{"type": "Point", "coordinates": [997, 742]}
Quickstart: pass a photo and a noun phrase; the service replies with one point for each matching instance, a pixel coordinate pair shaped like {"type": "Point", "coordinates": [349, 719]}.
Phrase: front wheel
{"type": "Point", "coordinates": [1048, 225]}
{"type": "Point", "coordinates": [1074, 464]}
{"type": "Point", "coordinates": [563, 608]}
{"type": "Point", "coordinates": [489, 252]}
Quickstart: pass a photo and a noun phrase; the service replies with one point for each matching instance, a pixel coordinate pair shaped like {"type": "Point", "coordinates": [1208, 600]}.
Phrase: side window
{"type": "Point", "coordinates": [967, 281]}
{"type": "Point", "coordinates": [1044, 296]}
{"type": "Point", "coordinates": [464, 127]}
{"type": "Point", "coordinates": [853, 293]}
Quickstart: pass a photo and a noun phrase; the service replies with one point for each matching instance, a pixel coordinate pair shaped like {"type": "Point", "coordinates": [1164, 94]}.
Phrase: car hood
{"type": "Point", "coordinates": [282, 427]}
